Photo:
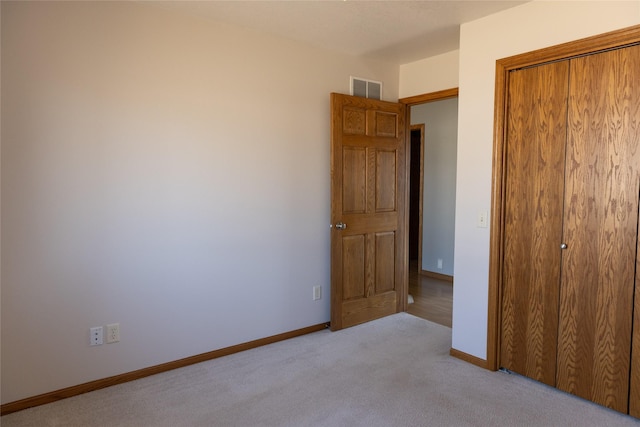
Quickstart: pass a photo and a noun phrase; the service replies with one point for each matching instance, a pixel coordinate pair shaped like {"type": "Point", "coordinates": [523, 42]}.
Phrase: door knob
{"type": "Point", "coordinates": [563, 246]}
{"type": "Point", "coordinates": [341, 226]}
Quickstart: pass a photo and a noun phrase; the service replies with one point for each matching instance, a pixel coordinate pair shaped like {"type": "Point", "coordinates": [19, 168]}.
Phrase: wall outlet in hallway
{"type": "Point", "coordinates": [317, 293]}
{"type": "Point", "coordinates": [440, 263]}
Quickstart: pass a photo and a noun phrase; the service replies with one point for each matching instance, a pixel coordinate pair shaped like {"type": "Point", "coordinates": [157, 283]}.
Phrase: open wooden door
{"type": "Point", "coordinates": [368, 212]}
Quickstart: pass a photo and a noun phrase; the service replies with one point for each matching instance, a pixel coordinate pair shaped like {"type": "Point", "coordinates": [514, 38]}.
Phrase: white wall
{"type": "Point", "coordinates": [417, 78]}
{"type": "Point", "coordinates": [439, 188]}
{"type": "Point", "coordinates": [429, 75]}
{"type": "Point", "coordinates": [160, 171]}
{"type": "Point", "coordinates": [524, 28]}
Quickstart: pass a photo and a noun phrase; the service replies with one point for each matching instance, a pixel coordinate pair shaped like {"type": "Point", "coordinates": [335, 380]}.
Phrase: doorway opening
{"type": "Point", "coordinates": [431, 150]}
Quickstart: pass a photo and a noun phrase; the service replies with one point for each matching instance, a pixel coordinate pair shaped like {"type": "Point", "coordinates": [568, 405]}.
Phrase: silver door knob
{"type": "Point", "coordinates": [341, 226]}
{"type": "Point", "coordinates": [563, 246]}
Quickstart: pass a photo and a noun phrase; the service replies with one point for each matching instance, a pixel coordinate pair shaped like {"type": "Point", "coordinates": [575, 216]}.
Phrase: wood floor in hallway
{"type": "Point", "coordinates": [433, 298]}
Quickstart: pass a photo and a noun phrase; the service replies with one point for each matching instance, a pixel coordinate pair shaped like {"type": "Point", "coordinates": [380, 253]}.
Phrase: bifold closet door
{"type": "Point", "coordinates": [602, 187]}
{"type": "Point", "coordinates": [535, 154]}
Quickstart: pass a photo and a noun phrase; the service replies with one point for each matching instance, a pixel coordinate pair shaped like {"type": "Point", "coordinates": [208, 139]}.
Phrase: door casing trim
{"type": "Point", "coordinates": [409, 102]}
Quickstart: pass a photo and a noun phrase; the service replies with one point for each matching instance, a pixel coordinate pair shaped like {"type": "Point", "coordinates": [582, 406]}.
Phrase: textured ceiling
{"type": "Point", "coordinates": [394, 30]}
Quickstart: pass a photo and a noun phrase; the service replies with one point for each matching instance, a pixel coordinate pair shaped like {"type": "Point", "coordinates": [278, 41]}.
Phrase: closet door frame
{"type": "Point", "coordinates": [615, 39]}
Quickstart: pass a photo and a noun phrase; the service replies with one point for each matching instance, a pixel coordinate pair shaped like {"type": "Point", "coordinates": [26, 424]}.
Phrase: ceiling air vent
{"type": "Point", "coordinates": [366, 88]}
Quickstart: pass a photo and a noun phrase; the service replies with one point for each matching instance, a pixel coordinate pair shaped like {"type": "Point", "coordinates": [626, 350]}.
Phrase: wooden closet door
{"type": "Point", "coordinates": [600, 227]}
{"type": "Point", "coordinates": [535, 154]}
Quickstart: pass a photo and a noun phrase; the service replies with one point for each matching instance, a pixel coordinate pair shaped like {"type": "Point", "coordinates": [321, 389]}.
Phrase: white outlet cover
{"type": "Point", "coordinates": [96, 336]}
{"type": "Point", "coordinates": [113, 333]}
{"type": "Point", "coordinates": [483, 219]}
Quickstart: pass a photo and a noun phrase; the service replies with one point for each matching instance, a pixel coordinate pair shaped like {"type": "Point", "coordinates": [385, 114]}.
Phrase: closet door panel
{"type": "Point", "coordinates": [634, 394]}
{"type": "Point", "coordinates": [600, 227]}
{"type": "Point", "coordinates": [536, 139]}
{"type": "Point", "coordinates": [634, 136]}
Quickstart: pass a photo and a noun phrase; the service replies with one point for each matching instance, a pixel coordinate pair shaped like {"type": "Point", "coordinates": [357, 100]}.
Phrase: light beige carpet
{"type": "Point", "coordinates": [394, 371]}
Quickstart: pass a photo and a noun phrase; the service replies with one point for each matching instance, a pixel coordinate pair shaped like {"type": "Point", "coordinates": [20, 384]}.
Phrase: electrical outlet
{"type": "Point", "coordinates": [95, 336]}
{"type": "Point", "coordinates": [483, 219]}
{"type": "Point", "coordinates": [113, 333]}
{"type": "Point", "coordinates": [317, 293]}
{"type": "Point", "coordinates": [440, 263]}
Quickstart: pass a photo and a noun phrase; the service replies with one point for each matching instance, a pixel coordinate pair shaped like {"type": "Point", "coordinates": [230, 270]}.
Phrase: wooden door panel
{"type": "Point", "coordinates": [353, 252]}
{"type": "Point", "coordinates": [536, 136]}
{"type": "Point", "coordinates": [386, 124]}
{"type": "Point", "coordinates": [354, 121]}
{"type": "Point", "coordinates": [354, 175]}
{"type": "Point", "coordinates": [385, 186]}
{"type": "Point", "coordinates": [368, 257]}
{"type": "Point", "coordinates": [385, 267]}
{"type": "Point", "coordinates": [601, 227]}
{"type": "Point", "coordinates": [633, 132]}
{"type": "Point", "coordinates": [634, 392]}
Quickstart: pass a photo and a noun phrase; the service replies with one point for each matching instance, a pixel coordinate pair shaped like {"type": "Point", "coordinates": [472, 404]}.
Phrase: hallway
{"type": "Point", "coordinates": [433, 298]}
